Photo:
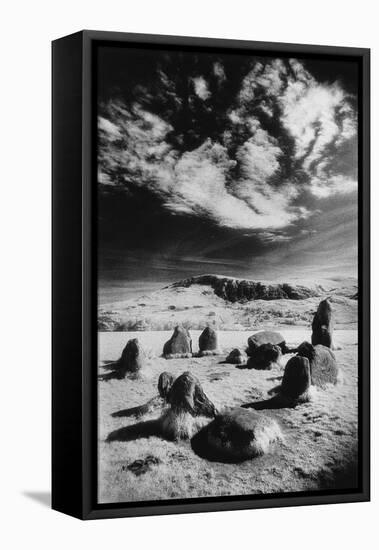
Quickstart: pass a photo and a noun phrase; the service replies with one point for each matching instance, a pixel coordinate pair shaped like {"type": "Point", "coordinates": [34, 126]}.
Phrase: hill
{"type": "Point", "coordinates": [229, 304]}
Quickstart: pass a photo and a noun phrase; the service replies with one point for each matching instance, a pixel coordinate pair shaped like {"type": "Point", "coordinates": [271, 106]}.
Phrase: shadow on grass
{"type": "Point", "coordinates": [340, 476]}
{"type": "Point", "coordinates": [201, 447]}
{"type": "Point", "coordinates": [275, 402]}
{"type": "Point", "coordinates": [136, 431]}
{"type": "Point", "coordinates": [113, 375]}
{"type": "Point", "coordinates": [109, 365]}
{"type": "Point", "coordinates": [140, 410]}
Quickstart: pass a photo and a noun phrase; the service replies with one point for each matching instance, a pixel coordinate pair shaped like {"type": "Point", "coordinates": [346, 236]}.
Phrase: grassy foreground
{"type": "Point", "coordinates": [319, 450]}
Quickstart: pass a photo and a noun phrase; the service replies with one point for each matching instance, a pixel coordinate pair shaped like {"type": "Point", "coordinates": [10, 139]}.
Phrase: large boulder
{"type": "Point", "coordinates": [296, 381]}
{"type": "Point", "coordinates": [323, 325]}
{"type": "Point", "coordinates": [179, 345]}
{"type": "Point", "coordinates": [265, 337]}
{"type": "Point", "coordinates": [236, 357]}
{"type": "Point", "coordinates": [132, 358]}
{"type": "Point", "coordinates": [208, 342]}
{"type": "Point", "coordinates": [323, 364]}
{"type": "Point", "coordinates": [187, 402]}
{"type": "Point", "coordinates": [241, 434]}
{"type": "Point", "coordinates": [264, 357]}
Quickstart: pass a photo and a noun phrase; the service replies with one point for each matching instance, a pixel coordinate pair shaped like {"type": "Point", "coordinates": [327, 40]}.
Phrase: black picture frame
{"type": "Point", "coordinates": [74, 379]}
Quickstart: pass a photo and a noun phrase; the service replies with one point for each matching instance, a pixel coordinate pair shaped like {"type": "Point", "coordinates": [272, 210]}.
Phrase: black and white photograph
{"type": "Point", "coordinates": [188, 320]}
{"type": "Point", "coordinates": [227, 273]}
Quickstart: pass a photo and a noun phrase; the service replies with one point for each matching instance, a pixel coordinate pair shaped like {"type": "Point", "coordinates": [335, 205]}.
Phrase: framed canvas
{"type": "Point", "coordinates": [210, 275]}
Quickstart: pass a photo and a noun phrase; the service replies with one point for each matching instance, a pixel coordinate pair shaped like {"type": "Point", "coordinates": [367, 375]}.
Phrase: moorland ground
{"type": "Point", "coordinates": [319, 450]}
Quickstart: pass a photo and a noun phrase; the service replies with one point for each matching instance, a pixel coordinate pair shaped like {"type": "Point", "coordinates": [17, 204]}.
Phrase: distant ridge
{"type": "Point", "coordinates": [242, 290]}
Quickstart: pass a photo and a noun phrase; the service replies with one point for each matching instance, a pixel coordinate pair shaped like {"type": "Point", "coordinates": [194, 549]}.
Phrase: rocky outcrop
{"type": "Point", "coordinates": [323, 325]}
{"type": "Point", "coordinates": [241, 290]}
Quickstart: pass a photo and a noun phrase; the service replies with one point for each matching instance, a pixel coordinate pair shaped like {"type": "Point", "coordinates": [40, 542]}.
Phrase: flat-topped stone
{"type": "Point", "coordinates": [264, 337]}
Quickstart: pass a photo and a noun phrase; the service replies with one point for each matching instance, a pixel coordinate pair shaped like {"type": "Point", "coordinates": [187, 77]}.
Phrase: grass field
{"type": "Point", "coordinates": [319, 450]}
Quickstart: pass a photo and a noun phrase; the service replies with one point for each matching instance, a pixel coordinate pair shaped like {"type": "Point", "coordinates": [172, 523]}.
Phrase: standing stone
{"type": "Point", "coordinates": [165, 382]}
{"type": "Point", "coordinates": [208, 342]}
{"type": "Point", "coordinates": [179, 345]}
{"type": "Point", "coordinates": [189, 406]}
{"type": "Point", "coordinates": [323, 364]}
{"type": "Point", "coordinates": [296, 380]}
{"type": "Point", "coordinates": [323, 325]}
{"type": "Point", "coordinates": [132, 358]}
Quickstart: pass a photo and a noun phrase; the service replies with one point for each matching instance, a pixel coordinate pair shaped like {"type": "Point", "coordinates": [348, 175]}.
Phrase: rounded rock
{"type": "Point", "coordinates": [242, 434]}
{"type": "Point", "coordinates": [264, 357]}
{"type": "Point", "coordinates": [236, 357]}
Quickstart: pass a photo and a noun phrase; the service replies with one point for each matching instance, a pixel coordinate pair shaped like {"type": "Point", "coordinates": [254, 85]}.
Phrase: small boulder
{"type": "Point", "coordinates": [236, 357]}
{"type": "Point", "coordinates": [264, 357]}
{"type": "Point", "coordinates": [208, 342]}
{"type": "Point", "coordinates": [242, 434]}
{"type": "Point", "coordinates": [179, 345]}
{"type": "Point", "coordinates": [323, 325]}
{"type": "Point", "coordinates": [323, 364]}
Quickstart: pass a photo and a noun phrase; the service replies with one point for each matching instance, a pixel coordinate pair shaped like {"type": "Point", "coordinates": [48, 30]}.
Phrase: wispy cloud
{"type": "Point", "coordinates": [282, 135]}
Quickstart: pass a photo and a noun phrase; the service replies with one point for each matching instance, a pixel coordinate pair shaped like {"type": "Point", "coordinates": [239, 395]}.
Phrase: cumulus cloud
{"type": "Point", "coordinates": [280, 139]}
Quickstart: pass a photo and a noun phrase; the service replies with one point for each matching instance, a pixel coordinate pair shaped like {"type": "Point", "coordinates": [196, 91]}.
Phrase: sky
{"type": "Point", "coordinates": [234, 164]}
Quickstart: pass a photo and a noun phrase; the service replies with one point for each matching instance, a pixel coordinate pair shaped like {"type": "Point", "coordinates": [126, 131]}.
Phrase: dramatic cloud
{"type": "Point", "coordinates": [246, 156]}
